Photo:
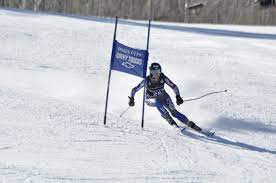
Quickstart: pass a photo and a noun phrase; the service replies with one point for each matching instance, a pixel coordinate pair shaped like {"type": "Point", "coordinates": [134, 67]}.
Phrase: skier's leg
{"type": "Point", "coordinates": [164, 113]}
{"type": "Point", "coordinates": [170, 106]}
{"type": "Point", "coordinates": [181, 117]}
{"type": "Point", "coordinates": [151, 102]}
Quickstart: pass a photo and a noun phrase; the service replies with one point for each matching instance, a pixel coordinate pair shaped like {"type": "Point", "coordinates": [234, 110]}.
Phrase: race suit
{"type": "Point", "coordinates": [156, 96]}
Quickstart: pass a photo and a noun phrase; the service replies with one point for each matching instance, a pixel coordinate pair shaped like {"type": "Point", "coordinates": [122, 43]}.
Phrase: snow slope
{"type": "Point", "coordinates": [53, 75]}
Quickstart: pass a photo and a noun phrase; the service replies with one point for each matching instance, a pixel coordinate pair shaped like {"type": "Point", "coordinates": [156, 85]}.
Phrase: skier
{"type": "Point", "coordinates": [156, 96]}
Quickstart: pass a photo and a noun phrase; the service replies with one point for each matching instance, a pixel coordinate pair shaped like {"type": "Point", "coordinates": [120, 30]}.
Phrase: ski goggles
{"type": "Point", "coordinates": [155, 72]}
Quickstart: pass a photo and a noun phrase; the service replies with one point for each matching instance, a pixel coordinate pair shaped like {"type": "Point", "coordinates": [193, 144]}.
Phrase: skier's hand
{"type": "Point", "coordinates": [131, 102]}
{"type": "Point", "coordinates": [179, 100]}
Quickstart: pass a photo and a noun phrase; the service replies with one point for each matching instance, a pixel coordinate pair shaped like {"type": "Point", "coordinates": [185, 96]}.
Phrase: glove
{"type": "Point", "coordinates": [179, 100]}
{"type": "Point", "coordinates": [131, 102]}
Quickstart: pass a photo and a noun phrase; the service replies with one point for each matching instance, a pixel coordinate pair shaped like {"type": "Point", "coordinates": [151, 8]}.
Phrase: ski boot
{"type": "Point", "coordinates": [192, 125]}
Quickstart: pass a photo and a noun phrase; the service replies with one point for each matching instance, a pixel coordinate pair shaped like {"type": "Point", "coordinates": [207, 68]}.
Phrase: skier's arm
{"type": "Point", "coordinates": [172, 85]}
{"type": "Point", "coordinates": [137, 88]}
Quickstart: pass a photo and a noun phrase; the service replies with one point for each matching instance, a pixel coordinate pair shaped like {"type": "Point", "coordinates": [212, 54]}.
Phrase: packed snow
{"type": "Point", "coordinates": [53, 80]}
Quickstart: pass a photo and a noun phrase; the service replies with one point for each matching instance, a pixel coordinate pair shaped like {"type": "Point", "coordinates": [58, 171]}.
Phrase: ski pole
{"type": "Point", "coordinates": [211, 93]}
{"type": "Point", "coordinates": [124, 111]}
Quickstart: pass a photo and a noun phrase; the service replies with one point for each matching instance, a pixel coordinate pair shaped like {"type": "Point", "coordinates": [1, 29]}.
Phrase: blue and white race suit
{"type": "Point", "coordinates": [156, 96]}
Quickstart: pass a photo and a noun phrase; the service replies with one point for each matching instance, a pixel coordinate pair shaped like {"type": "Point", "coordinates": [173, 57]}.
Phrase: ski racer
{"type": "Point", "coordinates": [156, 96]}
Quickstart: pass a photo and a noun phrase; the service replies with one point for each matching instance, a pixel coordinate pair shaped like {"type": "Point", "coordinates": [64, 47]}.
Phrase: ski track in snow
{"type": "Point", "coordinates": [53, 75]}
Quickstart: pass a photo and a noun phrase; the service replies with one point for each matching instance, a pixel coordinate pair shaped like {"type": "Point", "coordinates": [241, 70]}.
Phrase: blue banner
{"type": "Point", "coordinates": [129, 60]}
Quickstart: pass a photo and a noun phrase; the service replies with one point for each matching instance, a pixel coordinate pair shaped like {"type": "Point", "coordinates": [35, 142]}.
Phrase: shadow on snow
{"type": "Point", "coordinates": [241, 145]}
{"type": "Point", "coordinates": [236, 125]}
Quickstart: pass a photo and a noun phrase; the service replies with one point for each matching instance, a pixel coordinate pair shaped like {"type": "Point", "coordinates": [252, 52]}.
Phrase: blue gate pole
{"type": "Point", "coordinates": [143, 110]}
{"type": "Point", "coordinates": [108, 84]}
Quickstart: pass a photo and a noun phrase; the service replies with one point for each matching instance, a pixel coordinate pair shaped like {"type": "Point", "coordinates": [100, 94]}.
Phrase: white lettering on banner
{"type": "Point", "coordinates": [136, 61]}
{"type": "Point", "coordinates": [136, 54]}
{"type": "Point", "coordinates": [130, 56]}
{"type": "Point", "coordinates": [125, 51]}
{"type": "Point", "coordinates": [121, 56]}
